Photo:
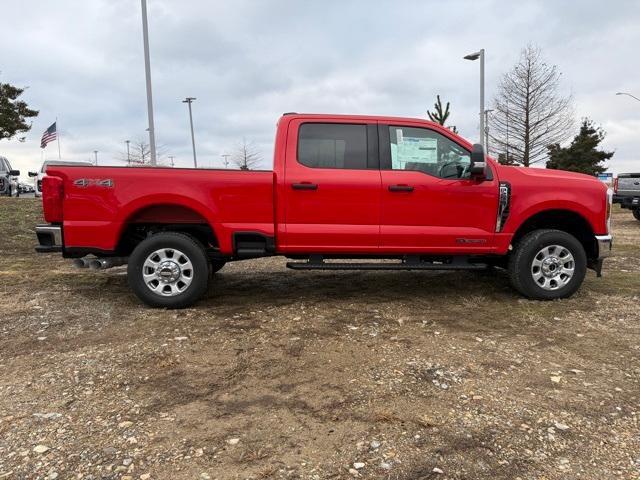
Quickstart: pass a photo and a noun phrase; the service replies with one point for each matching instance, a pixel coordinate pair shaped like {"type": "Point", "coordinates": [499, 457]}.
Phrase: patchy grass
{"type": "Point", "coordinates": [445, 370]}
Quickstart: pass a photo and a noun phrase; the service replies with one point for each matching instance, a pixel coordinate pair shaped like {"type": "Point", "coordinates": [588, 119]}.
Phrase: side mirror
{"type": "Point", "coordinates": [33, 174]}
{"type": "Point", "coordinates": [14, 173]}
{"type": "Point", "coordinates": [478, 165]}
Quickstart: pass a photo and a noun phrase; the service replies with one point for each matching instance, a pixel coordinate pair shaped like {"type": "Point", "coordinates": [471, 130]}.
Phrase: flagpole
{"type": "Point", "coordinates": [58, 139]}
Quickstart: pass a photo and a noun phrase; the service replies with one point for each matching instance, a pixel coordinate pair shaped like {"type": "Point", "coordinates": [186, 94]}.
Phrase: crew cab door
{"type": "Point", "coordinates": [429, 202]}
{"type": "Point", "coordinates": [332, 187]}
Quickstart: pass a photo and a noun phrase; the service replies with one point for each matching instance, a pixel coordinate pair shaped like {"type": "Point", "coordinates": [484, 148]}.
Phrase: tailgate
{"type": "Point", "coordinates": [628, 184]}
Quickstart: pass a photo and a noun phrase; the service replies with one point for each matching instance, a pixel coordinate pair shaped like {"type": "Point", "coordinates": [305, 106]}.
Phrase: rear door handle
{"type": "Point", "coordinates": [400, 188]}
{"type": "Point", "coordinates": [304, 186]}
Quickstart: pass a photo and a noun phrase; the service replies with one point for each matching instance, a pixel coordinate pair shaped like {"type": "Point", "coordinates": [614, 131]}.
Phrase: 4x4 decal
{"type": "Point", "coordinates": [98, 182]}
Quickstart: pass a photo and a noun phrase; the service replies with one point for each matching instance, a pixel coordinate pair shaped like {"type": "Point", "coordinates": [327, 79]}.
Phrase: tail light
{"type": "Point", "coordinates": [615, 185]}
{"type": "Point", "coordinates": [52, 193]}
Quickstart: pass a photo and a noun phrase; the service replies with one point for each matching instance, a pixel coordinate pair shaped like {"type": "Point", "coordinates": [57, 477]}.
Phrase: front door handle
{"type": "Point", "coordinates": [304, 186]}
{"type": "Point", "coordinates": [400, 188]}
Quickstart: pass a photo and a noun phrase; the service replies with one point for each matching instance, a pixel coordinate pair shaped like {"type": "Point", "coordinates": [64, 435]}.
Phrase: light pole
{"type": "Point", "coordinates": [128, 153]}
{"type": "Point", "coordinates": [188, 101]}
{"type": "Point", "coordinates": [95, 153]}
{"type": "Point", "coordinates": [628, 95]}
{"type": "Point", "coordinates": [476, 56]}
{"type": "Point", "coordinates": [486, 129]}
{"type": "Point", "coordinates": [226, 162]}
{"type": "Point", "coordinates": [147, 71]}
{"type": "Point", "coordinates": [171, 157]}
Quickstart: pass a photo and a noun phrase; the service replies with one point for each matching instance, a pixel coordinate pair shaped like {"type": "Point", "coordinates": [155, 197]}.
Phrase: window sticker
{"type": "Point", "coordinates": [418, 150]}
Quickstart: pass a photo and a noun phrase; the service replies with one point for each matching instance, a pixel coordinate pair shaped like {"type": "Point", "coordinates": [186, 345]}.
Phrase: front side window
{"type": "Point", "coordinates": [333, 145]}
{"type": "Point", "coordinates": [427, 151]}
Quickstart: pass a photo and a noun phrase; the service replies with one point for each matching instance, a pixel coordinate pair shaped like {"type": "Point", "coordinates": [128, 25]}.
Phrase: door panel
{"type": "Point", "coordinates": [437, 215]}
{"type": "Point", "coordinates": [423, 213]}
{"type": "Point", "coordinates": [332, 204]}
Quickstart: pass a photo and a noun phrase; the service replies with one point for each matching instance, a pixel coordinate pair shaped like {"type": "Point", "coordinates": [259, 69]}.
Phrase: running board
{"type": "Point", "coordinates": [456, 264]}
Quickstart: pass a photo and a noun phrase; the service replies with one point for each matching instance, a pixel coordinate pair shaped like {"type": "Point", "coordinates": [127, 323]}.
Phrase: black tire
{"type": "Point", "coordinates": [522, 258]}
{"type": "Point", "coordinates": [636, 213]}
{"type": "Point", "coordinates": [191, 249]}
{"type": "Point", "coordinates": [216, 265]}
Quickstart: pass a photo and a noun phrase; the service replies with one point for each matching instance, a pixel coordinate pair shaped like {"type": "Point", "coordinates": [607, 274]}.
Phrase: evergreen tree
{"type": "Point", "coordinates": [505, 159]}
{"type": "Point", "coordinates": [582, 155]}
{"type": "Point", "coordinates": [13, 112]}
{"type": "Point", "coordinates": [440, 115]}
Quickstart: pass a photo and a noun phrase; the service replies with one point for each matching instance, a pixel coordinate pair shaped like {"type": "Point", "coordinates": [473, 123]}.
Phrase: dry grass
{"type": "Point", "coordinates": [449, 370]}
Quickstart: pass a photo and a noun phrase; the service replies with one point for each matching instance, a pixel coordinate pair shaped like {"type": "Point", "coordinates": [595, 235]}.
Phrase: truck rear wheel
{"type": "Point", "coordinates": [547, 264]}
{"type": "Point", "coordinates": [169, 270]}
{"type": "Point", "coordinates": [636, 213]}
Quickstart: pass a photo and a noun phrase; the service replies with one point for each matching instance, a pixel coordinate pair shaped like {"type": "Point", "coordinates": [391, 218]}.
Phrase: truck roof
{"type": "Point", "coordinates": [377, 118]}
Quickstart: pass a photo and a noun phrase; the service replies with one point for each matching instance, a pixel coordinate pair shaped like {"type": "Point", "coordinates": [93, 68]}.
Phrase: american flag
{"type": "Point", "coordinates": [49, 135]}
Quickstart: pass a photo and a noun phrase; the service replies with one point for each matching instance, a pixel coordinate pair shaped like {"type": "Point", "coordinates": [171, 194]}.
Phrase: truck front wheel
{"type": "Point", "coordinates": [169, 270]}
{"type": "Point", "coordinates": [547, 264]}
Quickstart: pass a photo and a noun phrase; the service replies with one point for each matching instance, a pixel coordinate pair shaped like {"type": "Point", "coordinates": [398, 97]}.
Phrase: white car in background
{"type": "Point", "coordinates": [38, 175]}
{"type": "Point", "coordinates": [8, 179]}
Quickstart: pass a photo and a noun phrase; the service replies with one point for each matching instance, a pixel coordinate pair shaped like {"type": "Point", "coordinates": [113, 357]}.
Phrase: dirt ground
{"type": "Point", "coordinates": [315, 375]}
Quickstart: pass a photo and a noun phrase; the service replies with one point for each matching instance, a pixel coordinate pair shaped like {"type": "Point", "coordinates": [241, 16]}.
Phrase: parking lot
{"type": "Point", "coordinates": [282, 374]}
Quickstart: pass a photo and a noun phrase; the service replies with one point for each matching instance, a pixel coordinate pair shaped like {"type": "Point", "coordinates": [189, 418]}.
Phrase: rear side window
{"type": "Point", "coordinates": [333, 145]}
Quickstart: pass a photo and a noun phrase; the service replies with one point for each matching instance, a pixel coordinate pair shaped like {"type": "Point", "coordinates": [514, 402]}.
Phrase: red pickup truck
{"type": "Point", "coordinates": [362, 188]}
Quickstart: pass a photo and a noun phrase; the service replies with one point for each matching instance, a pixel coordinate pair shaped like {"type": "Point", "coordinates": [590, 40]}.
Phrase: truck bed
{"type": "Point", "coordinates": [100, 201]}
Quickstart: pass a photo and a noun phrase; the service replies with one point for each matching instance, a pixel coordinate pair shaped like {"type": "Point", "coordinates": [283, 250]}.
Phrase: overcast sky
{"type": "Point", "coordinates": [247, 62]}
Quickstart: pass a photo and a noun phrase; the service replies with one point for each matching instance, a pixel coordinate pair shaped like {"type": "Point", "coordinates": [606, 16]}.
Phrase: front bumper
{"type": "Point", "coordinates": [49, 238]}
{"type": "Point", "coordinates": [605, 243]}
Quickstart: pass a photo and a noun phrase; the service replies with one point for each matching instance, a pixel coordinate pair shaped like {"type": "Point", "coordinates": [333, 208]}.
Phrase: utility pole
{"type": "Point", "coordinates": [171, 157]}
{"type": "Point", "coordinates": [188, 101]}
{"type": "Point", "coordinates": [128, 153]}
{"type": "Point", "coordinates": [147, 71]}
{"type": "Point", "coordinates": [95, 152]}
{"type": "Point", "coordinates": [226, 161]}
{"type": "Point", "coordinates": [476, 56]}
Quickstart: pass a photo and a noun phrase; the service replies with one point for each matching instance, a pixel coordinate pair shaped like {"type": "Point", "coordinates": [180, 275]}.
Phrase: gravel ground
{"type": "Point", "coordinates": [314, 375]}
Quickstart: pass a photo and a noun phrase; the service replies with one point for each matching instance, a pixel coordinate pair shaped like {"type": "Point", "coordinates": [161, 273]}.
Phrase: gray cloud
{"type": "Point", "coordinates": [249, 61]}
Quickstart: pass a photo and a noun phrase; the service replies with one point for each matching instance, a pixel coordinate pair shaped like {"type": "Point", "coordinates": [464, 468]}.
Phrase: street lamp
{"type": "Point", "coordinates": [128, 154]}
{"type": "Point", "coordinates": [628, 95]}
{"type": "Point", "coordinates": [188, 101]}
{"type": "Point", "coordinates": [476, 56]}
{"type": "Point", "coordinates": [95, 152]}
{"type": "Point", "coordinates": [147, 71]}
{"type": "Point", "coordinates": [226, 161]}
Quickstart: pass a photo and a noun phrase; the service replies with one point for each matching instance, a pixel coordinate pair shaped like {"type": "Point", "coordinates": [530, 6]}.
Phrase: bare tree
{"type": "Point", "coordinates": [140, 154]}
{"type": "Point", "coordinates": [246, 155]}
{"type": "Point", "coordinates": [529, 111]}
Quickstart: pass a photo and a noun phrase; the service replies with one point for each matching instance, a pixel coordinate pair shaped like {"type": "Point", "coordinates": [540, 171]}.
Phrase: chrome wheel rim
{"type": "Point", "coordinates": [167, 272]}
{"type": "Point", "coordinates": [553, 267]}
